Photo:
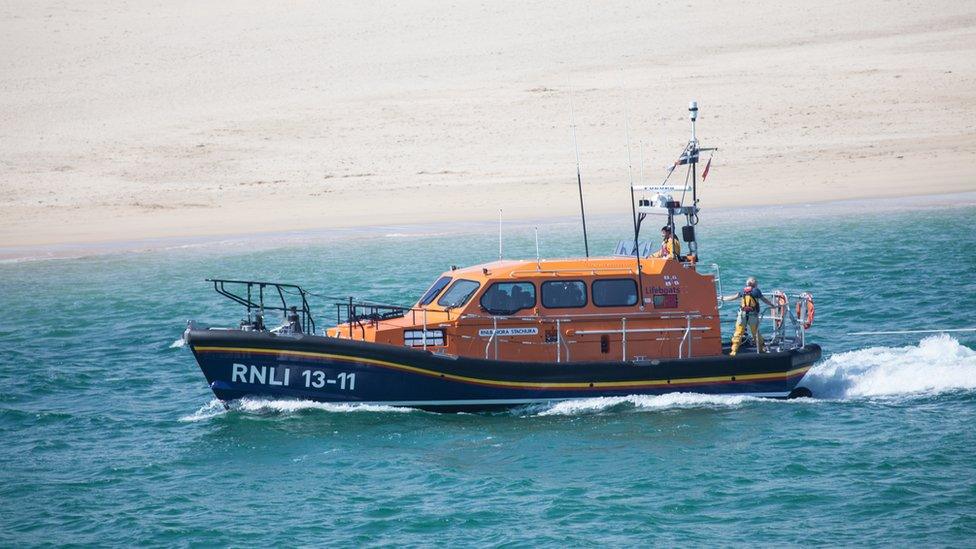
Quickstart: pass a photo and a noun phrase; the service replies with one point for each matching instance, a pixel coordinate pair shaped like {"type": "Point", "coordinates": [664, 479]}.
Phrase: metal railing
{"type": "Point", "coordinates": [562, 343]}
{"type": "Point", "coordinates": [573, 270]}
{"type": "Point", "coordinates": [686, 337]}
{"type": "Point", "coordinates": [494, 332]}
{"type": "Point", "coordinates": [796, 337]}
{"type": "Point", "coordinates": [716, 273]}
{"type": "Point", "coordinates": [359, 312]}
{"type": "Point", "coordinates": [243, 292]}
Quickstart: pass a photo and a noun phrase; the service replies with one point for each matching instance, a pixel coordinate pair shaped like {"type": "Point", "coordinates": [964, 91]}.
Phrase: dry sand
{"type": "Point", "coordinates": [131, 120]}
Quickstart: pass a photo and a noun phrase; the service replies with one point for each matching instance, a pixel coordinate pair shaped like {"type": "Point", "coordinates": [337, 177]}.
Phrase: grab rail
{"type": "Point", "coordinates": [779, 331]}
{"type": "Point", "coordinates": [241, 292]}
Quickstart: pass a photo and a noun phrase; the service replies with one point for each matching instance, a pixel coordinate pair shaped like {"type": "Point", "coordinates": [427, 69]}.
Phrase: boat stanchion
{"type": "Point", "coordinates": [559, 341]}
{"type": "Point", "coordinates": [425, 328]}
{"type": "Point", "coordinates": [623, 337]}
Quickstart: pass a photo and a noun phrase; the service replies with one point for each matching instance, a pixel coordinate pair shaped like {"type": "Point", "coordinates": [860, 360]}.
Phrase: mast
{"type": "Point", "coordinates": [691, 213]}
{"type": "Point", "coordinates": [579, 178]}
{"type": "Point", "coordinates": [693, 152]}
{"type": "Point", "coordinates": [633, 211]}
{"type": "Point", "coordinates": [663, 201]}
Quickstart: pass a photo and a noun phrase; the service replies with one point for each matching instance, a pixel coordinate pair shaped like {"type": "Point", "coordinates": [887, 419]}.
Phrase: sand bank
{"type": "Point", "coordinates": [178, 121]}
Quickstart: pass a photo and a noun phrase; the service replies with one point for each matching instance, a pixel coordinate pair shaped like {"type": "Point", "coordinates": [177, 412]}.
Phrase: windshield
{"type": "Point", "coordinates": [458, 294]}
{"type": "Point", "coordinates": [435, 290]}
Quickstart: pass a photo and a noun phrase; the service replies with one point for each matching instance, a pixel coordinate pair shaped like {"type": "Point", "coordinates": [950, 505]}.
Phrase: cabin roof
{"type": "Point", "coordinates": [511, 268]}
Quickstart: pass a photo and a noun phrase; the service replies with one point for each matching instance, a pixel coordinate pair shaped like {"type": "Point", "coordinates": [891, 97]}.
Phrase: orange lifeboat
{"type": "Point", "coordinates": [512, 332]}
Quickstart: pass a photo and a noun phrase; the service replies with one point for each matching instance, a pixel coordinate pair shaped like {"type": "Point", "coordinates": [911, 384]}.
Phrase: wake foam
{"type": "Point", "coordinates": [285, 407]}
{"type": "Point", "coordinates": [936, 365]}
{"type": "Point", "coordinates": [213, 408]}
{"type": "Point", "coordinates": [644, 402]}
{"type": "Point", "coordinates": [254, 405]}
{"type": "Point", "coordinates": [177, 344]}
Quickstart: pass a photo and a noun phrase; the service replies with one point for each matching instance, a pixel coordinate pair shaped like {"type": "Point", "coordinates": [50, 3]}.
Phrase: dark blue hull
{"type": "Point", "coordinates": [260, 364]}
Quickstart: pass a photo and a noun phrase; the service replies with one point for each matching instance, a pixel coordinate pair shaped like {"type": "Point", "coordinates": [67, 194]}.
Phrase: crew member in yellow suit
{"type": "Point", "coordinates": [750, 297]}
{"type": "Point", "coordinates": [670, 247]}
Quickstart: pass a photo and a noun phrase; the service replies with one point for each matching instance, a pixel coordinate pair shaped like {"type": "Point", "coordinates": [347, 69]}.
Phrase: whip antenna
{"type": "Point", "coordinates": [538, 260]}
{"type": "Point", "coordinates": [579, 178]}
{"type": "Point", "coordinates": [499, 234]}
{"type": "Point", "coordinates": [641, 142]}
{"type": "Point", "coordinates": [633, 207]}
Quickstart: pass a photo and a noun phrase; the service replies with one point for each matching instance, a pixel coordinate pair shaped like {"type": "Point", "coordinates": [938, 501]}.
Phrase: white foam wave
{"type": "Point", "coordinates": [212, 409]}
{"type": "Point", "coordinates": [255, 405]}
{"type": "Point", "coordinates": [937, 364]}
{"type": "Point", "coordinates": [268, 406]}
{"type": "Point", "coordinates": [645, 402]}
{"type": "Point", "coordinates": [177, 344]}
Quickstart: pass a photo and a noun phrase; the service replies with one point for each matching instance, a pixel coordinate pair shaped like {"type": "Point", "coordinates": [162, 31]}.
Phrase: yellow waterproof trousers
{"type": "Point", "coordinates": [752, 320]}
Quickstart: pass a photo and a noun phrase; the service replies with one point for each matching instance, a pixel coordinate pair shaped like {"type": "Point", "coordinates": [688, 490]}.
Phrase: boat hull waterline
{"type": "Point", "coordinates": [240, 364]}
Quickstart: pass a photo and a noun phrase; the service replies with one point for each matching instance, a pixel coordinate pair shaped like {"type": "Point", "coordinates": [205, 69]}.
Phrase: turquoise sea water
{"type": "Point", "coordinates": [111, 436]}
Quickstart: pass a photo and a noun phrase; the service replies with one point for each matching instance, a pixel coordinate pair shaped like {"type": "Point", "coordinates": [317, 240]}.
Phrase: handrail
{"type": "Point", "coordinates": [305, 321]}
{"type": "Point", "coordinates": [684, 338]}
{"type": "Point", "coordinates": [494, 332]}
{"type": "Point", "coordinates": [560, 343]}
{"type": "Point", "coordinates": [572, 270]}
{"type": "Point", "coordinates": [569, 316]}
{"type": "Point", "coordinates": [799, 330]}
{"type": "Point", "coordinates": [623, 338]}
{"type": "Point", "coordinates": [642, 330]}
{"type": "Point", "coordinates": [357, 311]}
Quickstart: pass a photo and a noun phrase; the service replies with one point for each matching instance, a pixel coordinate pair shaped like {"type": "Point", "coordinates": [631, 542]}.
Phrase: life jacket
{"type": "Point", "coordinates": [749, 303]}
{"type": "Point", "coordinates": [675, 247]}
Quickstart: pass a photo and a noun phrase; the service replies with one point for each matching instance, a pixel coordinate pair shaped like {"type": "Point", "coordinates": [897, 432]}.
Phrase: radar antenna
{"type": "Point", "coordinates": [662, 201]}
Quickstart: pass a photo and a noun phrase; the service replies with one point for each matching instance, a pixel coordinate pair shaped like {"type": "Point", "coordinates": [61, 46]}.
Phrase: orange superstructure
{"type": "Point", "coordinates": [557, 310]}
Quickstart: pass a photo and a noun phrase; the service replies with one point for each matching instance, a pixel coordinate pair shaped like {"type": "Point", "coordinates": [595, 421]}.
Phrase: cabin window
{"type": "Point", "coordinates": [434, 290]}
{"type": "Point", "coordinates": [560, 294]}
{"type": "Point", "coordinates": [620, 292]}
{"type": "Point", "coordinates": [505, 298]}
{"type": "Point", "coordinates": [458, 294]}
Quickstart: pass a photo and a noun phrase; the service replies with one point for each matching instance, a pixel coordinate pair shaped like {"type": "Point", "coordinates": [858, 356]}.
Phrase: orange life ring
{"type": "Point", "coordinates": [808, 300]}
{"type": "Point", "coordinates": [779, 311]}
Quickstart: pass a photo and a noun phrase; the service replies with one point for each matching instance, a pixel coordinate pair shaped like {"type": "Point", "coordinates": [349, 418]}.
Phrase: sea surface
{"type": "Point", "coordinates": [110, 436]}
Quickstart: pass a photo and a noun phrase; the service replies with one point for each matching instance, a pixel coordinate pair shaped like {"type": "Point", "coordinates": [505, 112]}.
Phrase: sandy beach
{"type": "Point", "coordinates": [145, 120]}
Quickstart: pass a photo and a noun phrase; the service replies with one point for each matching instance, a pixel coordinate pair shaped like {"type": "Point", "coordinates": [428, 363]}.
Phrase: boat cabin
{"type": "Point", "coordinates": [553, 310]}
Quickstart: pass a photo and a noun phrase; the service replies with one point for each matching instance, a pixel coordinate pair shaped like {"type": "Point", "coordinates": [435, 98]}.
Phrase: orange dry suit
{"type": "Point", "coordinates": [748, 315]}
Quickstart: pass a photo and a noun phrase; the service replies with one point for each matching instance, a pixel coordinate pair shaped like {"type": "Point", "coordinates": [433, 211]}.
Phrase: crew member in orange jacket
{"type": "Point", "coordinates": [670, 247]}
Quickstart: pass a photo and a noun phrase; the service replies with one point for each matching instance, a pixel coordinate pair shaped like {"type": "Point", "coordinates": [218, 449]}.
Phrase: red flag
{"type": "Point", "coordinates": [705, 171]}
